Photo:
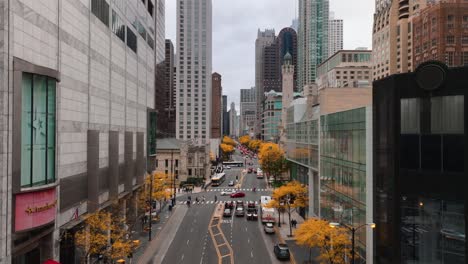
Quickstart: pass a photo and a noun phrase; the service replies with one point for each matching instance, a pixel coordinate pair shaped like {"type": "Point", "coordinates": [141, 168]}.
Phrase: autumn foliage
{"type": "Point", "coordinates": [245, 140]}
{"type": "Point", "coordinates": [288, 197]}
{"type": "Point", "coordinates": [161, 188]}
{"type": "Point", "coordinates": [272, 160]}
{"type": "Point", "coordinates": [333, 242]}
{"type": "Point", "coordinates": [229, 141]}
{"type": "Point", "coordinates": [104, 234]}
{"type": "Point", "coordinates": [254, 145]}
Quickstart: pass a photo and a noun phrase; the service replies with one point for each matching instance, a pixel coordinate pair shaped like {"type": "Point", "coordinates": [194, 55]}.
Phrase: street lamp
{"type": "Point", "coordinates": [353, 231]}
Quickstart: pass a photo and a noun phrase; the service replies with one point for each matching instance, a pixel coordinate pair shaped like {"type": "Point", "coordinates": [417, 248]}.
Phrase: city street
{"type": "Point", "coordinates": [193, 242]}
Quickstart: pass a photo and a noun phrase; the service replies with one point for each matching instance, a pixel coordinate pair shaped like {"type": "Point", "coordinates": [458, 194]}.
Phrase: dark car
{"type": "Point", "coordinates": [237, 195]}
{"type": "Point", "coordinates": [281, 251]}
{"type": "Point", "coordinates": [240, 211]}
{"type": "Point", "coordinates": [252, 213]}
{"type": "Point", "coordinates": [227, 212]}
{"type": "Point", "coordinates": [250, 170]}
{"type": "Point", "coordinates": [229, 205]}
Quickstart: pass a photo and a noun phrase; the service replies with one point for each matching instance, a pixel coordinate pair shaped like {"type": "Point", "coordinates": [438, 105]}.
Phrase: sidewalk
{"type": "Point", "coordinates": [300, 255]}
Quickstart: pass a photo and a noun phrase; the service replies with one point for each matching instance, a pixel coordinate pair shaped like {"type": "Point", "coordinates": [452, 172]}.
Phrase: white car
{"type": "Point", "coordinates": [269, 229]}
{"type": "Point", "coordinates": [226, 167]}
{"type": "Point", "coordinates": [227, 193]}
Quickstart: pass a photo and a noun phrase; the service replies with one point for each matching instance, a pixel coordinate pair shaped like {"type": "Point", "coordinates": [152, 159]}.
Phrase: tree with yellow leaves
{"type": "Point", "coordinates": [161, 184]}
{"type": "Point", "coordinates": [333, 242]}
{"type": "Point", "coordinates": [104, 234]}
{"type": "Point", "coordinates": [229, 141]}
{"type": "Point", "coordinates": [254, 145]}
{"type": "Point", "coordinates": [288, 197]}
{"type": "Point", "coordinates": [272, 160]}
{"type": "Point", "coordinates": [245, 140]}
{"type": "Point", "coordinates": [227, 150]}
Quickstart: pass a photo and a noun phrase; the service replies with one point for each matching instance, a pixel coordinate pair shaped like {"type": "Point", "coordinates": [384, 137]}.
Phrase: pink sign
{"type": "Point", "coordinates": [35, 209]}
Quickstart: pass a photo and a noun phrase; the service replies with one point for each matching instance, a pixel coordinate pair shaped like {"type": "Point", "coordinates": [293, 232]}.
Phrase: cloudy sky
{"type": "Point", "coordinates": [235, 25]}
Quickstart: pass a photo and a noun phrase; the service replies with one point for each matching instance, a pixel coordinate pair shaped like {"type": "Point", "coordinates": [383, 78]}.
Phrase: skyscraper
{"type": "Point", "coordinates": [193, 87]}
{"type": "Point", "coordinates": [216, 113]}
{"type": "Point", "coordinates": [225, 116]}
{"type": "Point", "coordinates": [165, 94]}
{"type": "Point", "coordinates": [248, 110]}
{"type": "Point", "coordinates": [335, 35]}
{"type": "Point", "coordinates": [287, 43]}
{"type": "Point", "coordinates": [312, 39]}
{"type": "Point", "coordinates": [264, 38]}
{"type": "Point", "coordinates": [233, 128]}
{"type": "Point", "coordinates": [270, 67]}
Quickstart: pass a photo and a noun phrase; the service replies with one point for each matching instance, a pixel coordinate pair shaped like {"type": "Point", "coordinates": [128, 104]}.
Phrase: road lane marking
{"type": "Point", "coordinates": [188, 242]}
{"type": "Point", "coordinates": [182, 258]}
{"type": "Point", "coordinates": [251, 254]}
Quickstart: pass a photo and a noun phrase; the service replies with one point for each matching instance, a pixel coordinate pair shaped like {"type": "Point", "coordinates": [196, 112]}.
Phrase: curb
{"type": "Point", "coordinates": [281, 239]}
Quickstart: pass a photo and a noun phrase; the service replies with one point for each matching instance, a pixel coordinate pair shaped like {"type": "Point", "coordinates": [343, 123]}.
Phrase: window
{"type": "Point", "coordinates": [131, 40]}
{"type": "Point", "coordinates": [100, 8]}
{"type": "Point", "coordinates": [465, 58]}
{"type": "Point", "coordinates": [150, 8]}
{"type": "Point", "coordinates": [177, 163]}
{"type": "Point", "coordinates": [464, 40]}
{"type": "Point", "coordinates": [167, 163]}
{"type": "Point", "coordinates": [118, 27]}
{"type": "Point", "coordinates": [450, 39]}
{"type": "Point", "coordinates": [449, 58]}
{"type": "Point", "coordinates": [37, 130]}
{"type": "Point", "coordinates": [151, 137]}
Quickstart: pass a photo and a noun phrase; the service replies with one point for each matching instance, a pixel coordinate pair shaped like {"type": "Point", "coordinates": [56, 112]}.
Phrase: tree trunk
{"type": "Point", "coordinates": [290, 226]}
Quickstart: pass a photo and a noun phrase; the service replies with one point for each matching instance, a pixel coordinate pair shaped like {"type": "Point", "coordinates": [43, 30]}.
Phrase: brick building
{"type": "Point", "coordinates": [440, 33]}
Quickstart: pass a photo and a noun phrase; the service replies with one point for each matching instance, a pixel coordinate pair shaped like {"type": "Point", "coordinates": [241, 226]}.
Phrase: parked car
{"type": "Point", "coordinates": [250, 170]}
{"type": "Point", "coordinates": [240, 211]}
{"type": "Point", "coordinates": [231, 183]}
{"type": "Point", "coordinates": [269, 228]}
{"type": "Point", "coordinates": [281, 251]}
{"type": "Point", "coordinates": [226, 193]}
{"type": "Point", "coordinates": [237, 195]}
{"type": "Point", "coordinates": [227, 212]}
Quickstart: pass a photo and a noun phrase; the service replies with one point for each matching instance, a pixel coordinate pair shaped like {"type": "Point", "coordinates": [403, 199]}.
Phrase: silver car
{"type": "Point", "coordinates": [269, 228]}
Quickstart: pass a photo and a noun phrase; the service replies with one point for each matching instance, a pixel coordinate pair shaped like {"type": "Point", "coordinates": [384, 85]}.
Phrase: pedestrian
{"type": "Point", "coordinates": [216, 198]}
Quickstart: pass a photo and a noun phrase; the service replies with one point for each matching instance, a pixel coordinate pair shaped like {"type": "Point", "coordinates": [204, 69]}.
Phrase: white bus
{"type": "Point", "coordinates": [267, 214]}
{"type": "Point", "coordinates": [218, 179]}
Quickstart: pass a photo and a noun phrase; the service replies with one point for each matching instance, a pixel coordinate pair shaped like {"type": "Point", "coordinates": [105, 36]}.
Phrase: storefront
{"type": "Point", "coordinates": [33, 226]}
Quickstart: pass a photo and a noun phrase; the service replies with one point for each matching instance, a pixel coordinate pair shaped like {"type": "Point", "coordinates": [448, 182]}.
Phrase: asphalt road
{"type": "Point", "coordinates": [193, 243]}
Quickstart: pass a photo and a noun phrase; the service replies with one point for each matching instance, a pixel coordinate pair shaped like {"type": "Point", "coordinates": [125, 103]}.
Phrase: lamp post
{"type": "Point", "coordinates": [353, 231]}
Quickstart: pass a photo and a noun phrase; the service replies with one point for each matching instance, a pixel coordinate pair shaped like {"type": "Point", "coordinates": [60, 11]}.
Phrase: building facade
{"type": "Point", "coordinates": [287, 43]}
{"type": "Point", "coordinates": [165, 93]}
{"type": "Point", "coordinates": [194, 62]}
{"type": "Point", "coordinates": [225, 117]}
{"type": "Point", "coordinates": [346, 68]}
{"type": "Point", "coordinates": [248, 112]}
{"type": "Point", "coordinates": [233, 128]}
{"type": "Point", "coordinates": [312, 39]}
{"type": "Point", "coordinates": [335, 35]}
{"type": "Point", "coordinates": [216, 108]}
{"type": "Point", "coordinates": [79, 88]}
{"type": "Point", "coordinates": [420, 166]}
{"type": "Point", "coordinates": [440, 32]}
{"type": "Point", "coordinates": [264, 38]}
{"type": "Point", "coordinates": [271, 116]}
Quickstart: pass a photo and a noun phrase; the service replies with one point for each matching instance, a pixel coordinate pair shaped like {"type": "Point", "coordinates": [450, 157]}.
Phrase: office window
{"type": "Point", "coordinates": [118, 26]}
{"type": "Point", "coordinates": [167, 163]}
{"type": "Point", "coordinates": [100, 8]}
{"type": "Point", "coordinates": [131, 40]}
{"type": "Point", "coordinates": [37, 130]}
{"type": "Point", "coordinates": [450, 39]}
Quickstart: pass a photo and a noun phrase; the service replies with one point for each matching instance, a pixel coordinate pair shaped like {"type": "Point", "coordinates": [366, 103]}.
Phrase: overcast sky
{"type": "Point", "coordinates": [235, 25]}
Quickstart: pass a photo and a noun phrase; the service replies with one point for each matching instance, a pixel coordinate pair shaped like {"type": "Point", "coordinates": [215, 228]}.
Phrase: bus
{"type": "Point", "coordinates": [233, 163]}
{"type": "Point", "coordinates": [218, 179]}
{"type": "Point", "coordinates": [267, 214]}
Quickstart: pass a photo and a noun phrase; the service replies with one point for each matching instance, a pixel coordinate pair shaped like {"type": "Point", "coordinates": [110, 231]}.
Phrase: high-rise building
{"type": "Point", "coordinates": [312, 39]}
{"type": "Point", "coordinates": [392, 38]}
{"type": "Point", "coordinates": [335, 35]}
{"type": "Point", "coordinates": [264, 38]}
{"type": "Point", "coordinates": [295, 24]}
{"type": "Point", "coordinates": [165, 94]}
{"type": "Point", "coordinates": [79, 78]}
{"type": "Point", "coordinates": [194, 60]}
{"type": "Point", "coordinates": [270, 67]}
{"type": "Point", "coordinates": [248, 111]}
{"type": "Point", "coordinates": [420, 165]}
{"type": "Point", "coordinates": [287, 71]}
{"type": "Point", "coordinates": [440, 33]}
{"type": "Point", "coordinates": [271, 116]}
{"type": "Point", "coordinates": [286, 42]}
{"type": "Point", "coordinates": [233, 129]}
{"type": "Point", "coordinates": [216, 108]}
{"type": "Point", "coordinates": [346, 68]}
{"type": "Point", "coordinates": [225, 116]}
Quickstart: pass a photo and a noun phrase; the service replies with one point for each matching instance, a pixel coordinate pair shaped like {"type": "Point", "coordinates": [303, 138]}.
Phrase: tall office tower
{"type": "Point", "coordinates": [165, 94]}
{"type": "Point", "coordinates": [248, 110]}
{"type": "Point", "coordinates": [312, 39]}
{"type": "Point", "coordinates": [225, 117]}
{"type": "Point", "coordinates": [216, 113]}
{"type": "Point", "coordinates": [335, 35]}
{"type": "Point", "coordinates": [233, 130]}
{"type": "Point", "coordinates": [193, 88]}
{"type": "Point", "coordinates": [264, 38]}
{"type": "Point", "coordinates": [286, 42]}
{"type": "Point", "coordinates": [76, 107]}
{"type": "Point", "coordinates": [392, 36]}
{"type": "Point", "coordinates": [295, 24]}
{"type": "Point", "coordinates": [271, 70]}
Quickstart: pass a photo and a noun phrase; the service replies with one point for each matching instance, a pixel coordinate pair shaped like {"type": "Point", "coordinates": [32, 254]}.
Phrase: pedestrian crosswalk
{"type": "Point", "coordinates": [235, 189]}
{"type": "Point", "coordinates": [215, 202]}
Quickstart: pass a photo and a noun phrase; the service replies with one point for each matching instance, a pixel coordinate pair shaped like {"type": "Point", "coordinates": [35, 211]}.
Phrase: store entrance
{"type": "Point", "coordinates": [31, 257]}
